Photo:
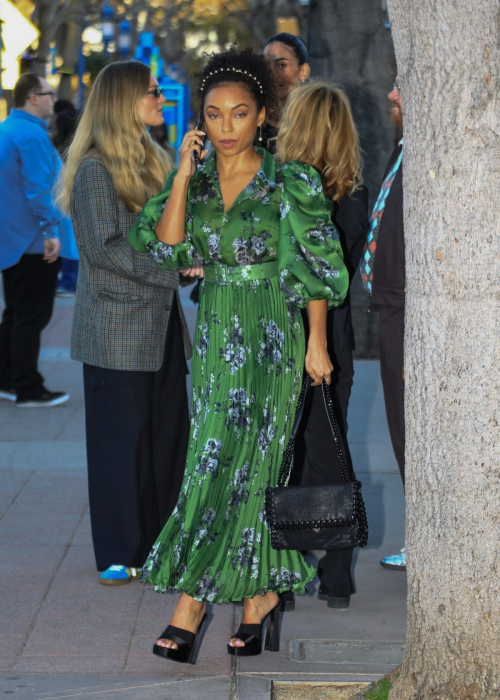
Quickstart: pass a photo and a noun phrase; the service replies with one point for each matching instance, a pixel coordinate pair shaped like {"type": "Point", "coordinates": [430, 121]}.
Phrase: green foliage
{"type": "Point", "coordinates": [94, 63]}
{"type": "Point", "coordinates": [380, 691]}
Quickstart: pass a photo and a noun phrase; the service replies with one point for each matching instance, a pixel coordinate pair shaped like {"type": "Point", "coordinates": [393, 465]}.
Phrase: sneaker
{"type": "Point", "coordinates": [8, 394]}
{"type": "Point", "coordinates": [46, 400]}
{"type": "Point", "coordinates": [397, 561]}
{"type": "Point", "coordinates": [118, 575]}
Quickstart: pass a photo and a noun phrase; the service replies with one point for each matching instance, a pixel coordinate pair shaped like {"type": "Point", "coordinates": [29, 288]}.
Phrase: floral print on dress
{"type": "Point", "coordinates": [209, 458]}
{"type": "Point", "coordinates": [246, 373]}
{"type": "Point", "coordinates": [271, 347]}
{"type": "Point", "coordinates": [235, 352]}
{"type": "Point", "coordinates": [239, 412]}
{"type": "Point", "coordinates": [281, 215]}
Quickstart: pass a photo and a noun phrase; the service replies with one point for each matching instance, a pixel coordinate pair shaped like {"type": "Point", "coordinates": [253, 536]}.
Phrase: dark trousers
{"type": "Point", "coordinates": [29, 289]}
{"type": "Point", "coordinates": [391, 325]}
{"type": "Point", "coordinates": [316, 463]}
{"type": "Point", "coordinates": [137, 427]}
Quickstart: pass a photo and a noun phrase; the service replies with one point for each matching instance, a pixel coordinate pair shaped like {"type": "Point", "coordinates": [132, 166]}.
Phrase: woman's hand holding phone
{"type": "Point", "coordinates": [192, 143]}
{"type": "Point", "coordinates": [171, 228]}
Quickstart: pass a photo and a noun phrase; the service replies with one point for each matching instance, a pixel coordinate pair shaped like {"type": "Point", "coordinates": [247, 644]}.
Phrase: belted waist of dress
{"type": "Point", "coordinates": [239, 273]}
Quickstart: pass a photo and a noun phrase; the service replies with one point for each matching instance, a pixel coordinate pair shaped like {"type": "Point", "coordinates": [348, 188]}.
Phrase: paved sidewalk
{"type": "Point", "coordinates": [63, 635]}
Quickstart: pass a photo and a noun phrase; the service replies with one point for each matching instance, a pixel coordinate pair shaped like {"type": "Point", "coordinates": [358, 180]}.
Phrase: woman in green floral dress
{"type": "Point", "coordinates": [262, 232]}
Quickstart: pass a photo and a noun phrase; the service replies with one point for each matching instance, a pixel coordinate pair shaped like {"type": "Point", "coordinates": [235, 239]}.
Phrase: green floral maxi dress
{"type": "Point", "coordinates": [267, 256]}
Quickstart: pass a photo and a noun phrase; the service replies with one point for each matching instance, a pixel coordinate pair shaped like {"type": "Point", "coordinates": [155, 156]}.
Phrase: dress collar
{"type": "Point", "coordinates": [266, 174]}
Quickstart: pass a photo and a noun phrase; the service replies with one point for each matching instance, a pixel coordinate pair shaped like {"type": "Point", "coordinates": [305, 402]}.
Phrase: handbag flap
{"type": "Point", "coordinates": [307, 504]}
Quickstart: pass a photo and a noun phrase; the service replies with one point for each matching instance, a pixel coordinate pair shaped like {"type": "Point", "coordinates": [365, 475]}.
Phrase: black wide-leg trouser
{"type": "Point", "coordinates": [137, 426]}
{"type": "Point", "coordinates": [316, 462]}
{"type": "Point", "coordinates": [391, 331]}
{"type": "Point", "coordinates": [29, 291]}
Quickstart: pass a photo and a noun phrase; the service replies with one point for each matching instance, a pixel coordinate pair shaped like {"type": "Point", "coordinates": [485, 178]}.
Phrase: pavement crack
{"type": "Point", "coordinates": [47, 591]}
{"type": "Point", "coordinates": [21, 489]}
{"type": "Point", "coordinates": [233, 695]}
{"type": "Point", "coordinates": [133, 629]}
{"type": "Point", "coordinates": [122, 689]}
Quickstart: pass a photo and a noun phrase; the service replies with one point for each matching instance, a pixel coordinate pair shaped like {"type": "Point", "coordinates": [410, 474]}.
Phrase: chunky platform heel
{"type": "Point", "coordinates": [188, 644]}
{"type": "Point", "coordinates": [251, 635]}
{"type": "Point", "coordinates": [288, 598]}
{"type": "Point", "coordinates": [273, 628]}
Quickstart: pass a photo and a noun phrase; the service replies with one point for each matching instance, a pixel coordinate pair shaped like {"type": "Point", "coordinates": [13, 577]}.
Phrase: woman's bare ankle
{"type": "Point", "coordinates": [254, 611]}
{"type": "Point", "coordinates": [187, 615]}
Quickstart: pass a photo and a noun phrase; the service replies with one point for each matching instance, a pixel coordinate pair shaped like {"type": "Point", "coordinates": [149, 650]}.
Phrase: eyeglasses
{"type": "Point", "coordinates": [156, 92]}
{"type": "Point", "coordinates": [397, 86]}
{"type": "Point", "coordinates": [39, 94]}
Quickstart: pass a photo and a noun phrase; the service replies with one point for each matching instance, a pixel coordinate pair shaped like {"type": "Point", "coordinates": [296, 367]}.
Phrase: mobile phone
{"type": "Point", "coordinates": [196, 157]}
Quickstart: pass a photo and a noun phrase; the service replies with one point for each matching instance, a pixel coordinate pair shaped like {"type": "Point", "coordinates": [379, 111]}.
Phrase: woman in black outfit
{"type": "Point", "coordinates": [328, 140]}
{"type": "Point", "coordinates": [288, 59]}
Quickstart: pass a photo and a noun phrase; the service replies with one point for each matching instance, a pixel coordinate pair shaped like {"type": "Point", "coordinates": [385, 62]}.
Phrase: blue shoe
{"type": "Point", "coordinates": [65, 292]}
{"type": "Point", "coordinates": [397, 561]}
{"type": "Point", "coordinates": [118, 575]}
{"type": "Point", "coordinates": [8, 394]}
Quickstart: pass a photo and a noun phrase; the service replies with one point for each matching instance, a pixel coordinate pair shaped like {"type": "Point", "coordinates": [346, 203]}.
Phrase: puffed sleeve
{"type": "Point", "coordinates": [310, 254]}
{"type": "Point", "coordinates": [142, 236]}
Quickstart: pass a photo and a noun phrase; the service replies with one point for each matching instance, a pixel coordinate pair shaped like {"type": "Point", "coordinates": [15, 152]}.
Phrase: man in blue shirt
{"type": "Point", "coordinates": [29, 243]}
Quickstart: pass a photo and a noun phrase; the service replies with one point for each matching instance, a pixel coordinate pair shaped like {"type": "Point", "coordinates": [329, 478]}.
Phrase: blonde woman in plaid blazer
{"type": "Point", "coordinates": [128, 327]}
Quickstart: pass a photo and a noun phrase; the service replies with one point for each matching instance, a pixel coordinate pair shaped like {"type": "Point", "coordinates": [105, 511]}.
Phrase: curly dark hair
{"type": "Point", "coordinates": [241, 66]}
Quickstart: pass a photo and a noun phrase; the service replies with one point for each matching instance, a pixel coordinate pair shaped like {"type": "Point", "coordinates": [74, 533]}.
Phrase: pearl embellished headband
{"type": "Point", "coordinates": [230, 70]}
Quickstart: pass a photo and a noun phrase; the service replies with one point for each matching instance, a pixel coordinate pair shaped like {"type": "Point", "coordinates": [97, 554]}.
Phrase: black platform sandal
{"type": "Point", "coordinates": [251, 635]}
{"type": "Point", "coordinates": [188, 644]}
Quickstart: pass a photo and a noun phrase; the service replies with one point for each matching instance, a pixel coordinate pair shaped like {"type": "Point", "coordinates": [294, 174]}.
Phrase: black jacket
{"type": "Point", "coordinates": [388, 286]}
{"type": "Point", "coordinates": [351, 220]}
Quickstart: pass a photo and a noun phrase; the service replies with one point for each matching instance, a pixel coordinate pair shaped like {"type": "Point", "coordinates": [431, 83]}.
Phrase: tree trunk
{"type": "Point", "coordinates": [448, 58]}
{"type": "Point", "coordinates": [350, 45]}
{"type": "Point", "coordinates": [72, 47]}
{"type": "Point", "coordinates": [46, 13]}
{"type": "Point", "coordinates": [263, 20]}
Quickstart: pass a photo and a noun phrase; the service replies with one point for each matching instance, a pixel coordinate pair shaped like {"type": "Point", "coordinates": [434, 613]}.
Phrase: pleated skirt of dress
{"type": "Point", "coordinates": [246, 376]}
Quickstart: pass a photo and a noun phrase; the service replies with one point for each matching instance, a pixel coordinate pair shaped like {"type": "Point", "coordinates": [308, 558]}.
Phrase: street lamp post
{"type": "Point", "coordinates": [124, 39]}
{"type": "Point", "coordinates": [108, 26]}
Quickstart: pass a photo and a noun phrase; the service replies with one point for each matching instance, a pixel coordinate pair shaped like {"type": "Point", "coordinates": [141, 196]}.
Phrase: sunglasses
{"type": "Point", "coordinates": [156, 92]}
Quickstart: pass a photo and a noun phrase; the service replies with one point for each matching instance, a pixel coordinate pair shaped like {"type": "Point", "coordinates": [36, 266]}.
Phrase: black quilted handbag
{"type": "Point", "coordinates": [329, 516]}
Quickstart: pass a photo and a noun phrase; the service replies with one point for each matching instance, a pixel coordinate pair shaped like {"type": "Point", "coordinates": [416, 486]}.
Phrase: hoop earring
{"type": "Point", "coordinates": [260, 133]}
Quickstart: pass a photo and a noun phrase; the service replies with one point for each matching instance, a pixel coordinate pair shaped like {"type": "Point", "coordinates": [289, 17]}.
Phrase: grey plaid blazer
{"type": "Point", "coordinates": [123, 298]}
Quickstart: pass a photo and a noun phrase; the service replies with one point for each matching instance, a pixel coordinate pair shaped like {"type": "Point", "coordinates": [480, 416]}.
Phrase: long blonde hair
{"type": "Point", "coordinates": [110, 127]}
{"type": "Point", "coordinates": [317, 128]}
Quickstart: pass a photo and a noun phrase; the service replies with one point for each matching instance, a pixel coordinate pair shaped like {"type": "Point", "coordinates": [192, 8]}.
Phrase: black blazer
{"type": "Point", "coordinates": [388, 287]}
{"type": "Point", "coordinates": [351, 220]}
{"type": "Point", "coordinates": [350, 217]}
